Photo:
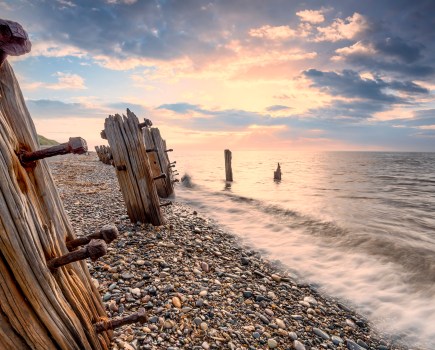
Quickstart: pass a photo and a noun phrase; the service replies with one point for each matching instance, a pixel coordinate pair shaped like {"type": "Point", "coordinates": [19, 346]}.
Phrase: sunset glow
{"type": "Point", "coordinates": [262, 74]}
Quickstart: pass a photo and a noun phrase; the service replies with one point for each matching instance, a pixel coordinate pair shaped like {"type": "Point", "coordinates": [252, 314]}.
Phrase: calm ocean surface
{"type": "Point", "coordinates": [360, 225]}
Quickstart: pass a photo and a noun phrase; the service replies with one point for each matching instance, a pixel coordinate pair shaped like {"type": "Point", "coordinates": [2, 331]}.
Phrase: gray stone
{"type": "Point", "coordinates": [293, 335]}
{"type": "Point", "coordinates": [272, 343]}
{"type": "Point", "coordinates": [336, 340]}
{"type": "Point", "coordinates": [320, 333]}
{"type": "Point", "coordinates": [351, 345]}
{"type": "Point", "coordinates": [298, 345]}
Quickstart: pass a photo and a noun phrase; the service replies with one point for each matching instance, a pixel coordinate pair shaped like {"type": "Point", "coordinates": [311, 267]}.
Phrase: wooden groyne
{"type": "Point", "coordinates": [133, 168]}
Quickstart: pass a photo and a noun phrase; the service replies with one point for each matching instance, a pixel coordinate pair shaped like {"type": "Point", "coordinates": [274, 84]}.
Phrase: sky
{"type": "Point", "coordinates": [240, 74]}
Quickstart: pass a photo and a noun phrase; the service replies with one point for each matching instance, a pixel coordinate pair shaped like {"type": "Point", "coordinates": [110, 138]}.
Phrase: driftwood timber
{"type": "Point", "coordinates": [105, 325]}
{"type": "Point", "coordinates": [228, 169]}
{"type": "Point", "coordinates": [38, 309]}
{"type": "Point", "coordinates": [75, 145]}
{"type": "Point", "coordinates": [277, 173]}
{"type": "Point", "coordinates": [136, 181]}
{"type": "Point", "coordinates": [108, 233]}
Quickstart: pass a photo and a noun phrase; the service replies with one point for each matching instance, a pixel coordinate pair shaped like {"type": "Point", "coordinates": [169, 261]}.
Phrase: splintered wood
{"type": "Point", "coordinates": [159, 161]}
{"type": "Point", "coordinates": [133, 168]}
{"type": "Point", "coordinates": [39, 308]}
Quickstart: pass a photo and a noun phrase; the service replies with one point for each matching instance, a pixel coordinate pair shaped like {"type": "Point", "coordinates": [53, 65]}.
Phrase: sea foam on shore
{"type": "Point", "coordinates": [201, 288]}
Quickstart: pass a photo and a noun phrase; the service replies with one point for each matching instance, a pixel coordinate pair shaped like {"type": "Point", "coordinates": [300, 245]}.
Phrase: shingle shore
{"type": "Point", "coordinates": [200, 287]}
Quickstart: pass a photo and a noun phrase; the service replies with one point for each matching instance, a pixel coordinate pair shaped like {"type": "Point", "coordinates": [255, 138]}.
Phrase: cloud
{"type": "Point", "coordinates": [65, 81]}
{"type": "Point", "coordinates": [53, 109]}
{"type": "Point", "coordinates": [350, 84]}
{"type": "Point", "coordinates": [397, 47]}
{"type": "Point", "coordinates": [311, 16]}
{"type": "Point", "coordinates": [389, 55]}
{"type": "Point", "coordinates": [276, 108]}
{"type": "Point", "coordinates": [273, 33]}
{"type": "Point", "coordinates": [180, 108]}
{"type": "Point", "coordinates": [340, 29]}
{"type": "Point", "coordinates": [358, 49]}
{"type": "Point", "coordinates": [66, 3]}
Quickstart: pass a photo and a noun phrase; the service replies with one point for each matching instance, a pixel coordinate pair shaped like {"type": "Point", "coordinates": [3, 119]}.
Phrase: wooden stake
{"type": "Point", "coordinates": [228, 169]}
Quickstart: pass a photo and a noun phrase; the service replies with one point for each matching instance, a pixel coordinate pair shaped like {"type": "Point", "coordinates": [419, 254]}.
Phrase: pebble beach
{"type": "Point", "coordinates": [202, 288]}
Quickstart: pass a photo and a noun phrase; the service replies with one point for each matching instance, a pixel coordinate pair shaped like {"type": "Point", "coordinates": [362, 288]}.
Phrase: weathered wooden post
{"type": "Point", "coordinates": [228, 169]}
{"type": "Point", "coordinates": [165, 166]}
{"type": "Point", "coordinates": [40, 308]}
{"type": "Point", "coordinates": [277, 173]}
{"type": "Point", "coordinates": [133, 169]}
{"type": "Point", "coordinates": [154, 162]}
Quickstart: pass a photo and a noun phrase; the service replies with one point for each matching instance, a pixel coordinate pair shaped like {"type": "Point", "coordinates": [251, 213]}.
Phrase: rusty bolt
{"type": "Point", "coordinates": [121, 167]}
{"type": "Point", "coordinates": [106, 325]}
{"type": "Point", "coordinates": [169, 150]}
{"type": "Point", "coordinates": [75, 145]}
{"type": "Point", "coordinates": [174, 162]}
{"type": "Point", "coordinates": [108, 233]}
{"type": "Point", "coordinates": [161, 176]}
{"type": "Point", "coordinates": [94, 250]}
{"type": "Point", "coordinates": [146, 123]}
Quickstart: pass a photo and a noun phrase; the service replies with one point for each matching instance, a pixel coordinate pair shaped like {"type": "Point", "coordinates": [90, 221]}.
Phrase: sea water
{"type": "Point", "coordinates": [360, 225]}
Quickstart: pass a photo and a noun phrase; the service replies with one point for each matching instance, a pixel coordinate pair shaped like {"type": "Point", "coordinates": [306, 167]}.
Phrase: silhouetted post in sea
{"type": "Point", "coordinates": [228, 169]}
{"type": "Point", "coordinates": [277, 173]}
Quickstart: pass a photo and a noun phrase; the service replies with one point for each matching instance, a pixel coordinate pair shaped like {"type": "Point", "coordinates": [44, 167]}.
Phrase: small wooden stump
{"type": "Point", "coordinates": [277, 173]}
{"type": "Point", "coordinates": [133, 168]}
{"type": "Point", "coordinates": [228, 169]}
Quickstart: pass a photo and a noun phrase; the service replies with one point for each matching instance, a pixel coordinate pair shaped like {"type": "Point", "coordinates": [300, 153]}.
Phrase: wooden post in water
{"type": "Point", "coordinates": [133, 169]}
{"type": "Point", "coordinates": [40, 308]}
{"type": "Point", "coordinates": [228, 169]}
{"type": "Point", "coordinates": [277, 173]}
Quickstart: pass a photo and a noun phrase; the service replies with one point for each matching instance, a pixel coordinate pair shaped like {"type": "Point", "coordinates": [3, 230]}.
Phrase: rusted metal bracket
{"type": "Point", "coordinates": [75, 145]}
{"type": "Point", "coordinates": [106, 325]}
{"type": "Point", "coordinates": [94, 250]}
{"type": "Point", "coordinates": [108, 233]}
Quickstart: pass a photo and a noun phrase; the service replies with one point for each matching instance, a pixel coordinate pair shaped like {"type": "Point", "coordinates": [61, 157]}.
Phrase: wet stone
{"type": "Point", "coordinates": [247, 294]}
{"type": "Point", "coordinates": [320, 333]}
{"type": "Point", "coordinates": [351, 345]}
{"type": "Point", "coordinates": [272, 343]}
{"type": "Point", "coordinates": [336, 340]}
{"type": "Point", "coordinates": [298, 345]}
{"type": "Point", "coordinates": [127, 276]}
